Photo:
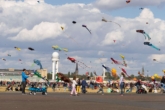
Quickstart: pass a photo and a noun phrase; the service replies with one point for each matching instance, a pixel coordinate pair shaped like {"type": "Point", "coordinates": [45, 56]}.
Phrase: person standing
{"type": "Point", "coordinates": [84, 84]}
{"type": "Point", "coordinates": [121, 83]}
{"type": "Point", "coordinates": [78, 86]}
{"type": "Point", "coordinates": [24, 78]}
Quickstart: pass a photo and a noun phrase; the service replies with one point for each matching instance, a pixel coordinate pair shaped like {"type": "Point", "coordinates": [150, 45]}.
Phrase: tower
{"type": "Point", "coordinates": [76, 70]}
{"type": "Point", "coordinates": [55, 61]}
{"type": "Point", "coordinates": [143, 70]}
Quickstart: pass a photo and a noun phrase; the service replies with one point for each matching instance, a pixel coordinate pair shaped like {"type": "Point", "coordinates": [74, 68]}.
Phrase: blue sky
{"type": "Point", "coordinates": [129, 12]}
{"type": "Point", "coordinates": [60, 2]}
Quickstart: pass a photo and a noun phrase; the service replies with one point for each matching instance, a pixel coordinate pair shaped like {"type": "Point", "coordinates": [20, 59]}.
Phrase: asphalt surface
{"type": "Point", "coordinates": [63, 101]}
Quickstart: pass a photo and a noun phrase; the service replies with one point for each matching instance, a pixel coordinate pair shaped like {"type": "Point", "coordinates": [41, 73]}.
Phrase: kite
{"type": "Point", "coordinates": [158, 61]}
{"type": "Point", "coordinates": [20, 60]}
{"type": "Point", "coordinates": [142, 75]}
{"type": "Point", "coordinates": [81, 64]}
{"type": "Point", "coordinates": [56, 47]}
{"type": "Point", "coordinates": [9, 55]}
{"type": "Point", "coordinates": [114, 72]}
{"type": "Point", "coordinates": [95, 73]}
{"type": "Point", "coordinates": [107, 68]}
{"type": "Point", "coordinates": [74, 22]}
{"type": "Point", "coordinates": [99, 79]}
{"type": "Point", "coordinates": [122, 56]}
{"type": "Point", "coordinates": [38, 63]}
{"type": "Point", "coordinates": [117, 62]}
{"type": "Point", "coordinates": [38, 1]}
{"type": "Point", "coordinates": [62, 28]}
{"type": "Point", "coordinates": [36, 73]}
{"type": "Point", "coordinates": [128, 1]}
{"type": "Point", "coordinates": [149, 44]}
{"type": "Point", "coordinates": [144, 33]}
{"type": "Point", "coordinates": [114, 41]}
{"type": "Point", "coordinates": [65, 49]}
{"type": "Point", "coordinates": [124, 71]}
{"type": "Point", "coordinates": [63, 78]}
{"type": "Point", "coordinates": [103, 19]}
{"type": "Point", "coordinates": [30, 48]}
{"type": "Point", "coordinates": [71, 59]}
{"type": "Point", "coordinates": [141, 8]}
{"type": "Point", "coordinates": [3, 59]}
{"type": "Point", "coordinates": [86, 28]}
{"type": "Point", "coordinates": [17, 48]}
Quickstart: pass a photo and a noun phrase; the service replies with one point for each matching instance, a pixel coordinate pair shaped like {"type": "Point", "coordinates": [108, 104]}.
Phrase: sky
{"type": "Point", "coordinates": [28, 23]}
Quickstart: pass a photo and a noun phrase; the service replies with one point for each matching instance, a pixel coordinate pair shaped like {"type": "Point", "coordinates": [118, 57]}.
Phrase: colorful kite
{"type": "Point", "coordinates": [62, 77]}
{"type": "Point", "coordinates": [36, 73]}
{"type": "Point", "coordinates": [56, 47]}
{"type": "Point", "coordinates": [81, 64]}
{"type": "Point", "coordinates": [38, 63]}
{"type": "Point", "coordinates": [103, 19]}
{"type": "Point", "coordinates": [107, 68]}
{"type": "Point", "coordinates": [17, 48]}
{"type": "Point", "coordinates": [151, 45]}
{"type": "Point", "coordinates": [86, 28]}
{"type": "Point", "coordinates": [117, 62]}
{"type": "Point", "coordinates": [144, 33]}
{"type": "Point", "coordinates": [124, 71]}
{"type": "Point", "coordinates": [124, 62]}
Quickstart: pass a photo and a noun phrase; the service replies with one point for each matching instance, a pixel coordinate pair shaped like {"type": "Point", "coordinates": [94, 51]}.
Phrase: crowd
{"type": "Point", "coordinates": [81, 86]}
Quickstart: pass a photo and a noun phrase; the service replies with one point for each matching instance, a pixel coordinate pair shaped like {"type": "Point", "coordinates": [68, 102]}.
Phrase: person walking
{"type": "Point", "coordinates": [24, 81]}
{"type": "Point", "coordinates": [74, 83]}
{"type": "Point", "coordinates": [121, 83]}
{"type": "Point", "coordinates": [101, 89]}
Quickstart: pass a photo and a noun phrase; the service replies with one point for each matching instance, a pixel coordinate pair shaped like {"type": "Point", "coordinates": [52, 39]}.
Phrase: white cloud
{"type": "Point", "coordinates": [39, 32]}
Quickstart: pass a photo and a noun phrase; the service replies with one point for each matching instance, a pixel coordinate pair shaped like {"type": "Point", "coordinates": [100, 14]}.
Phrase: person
{"type": "Point", "coordinates": [101, 89]}
{"type": "Point", "coordinates": [78, 86]}
{"type": "Point", "coordinates": [163, 82]}
{"type": "Point", "coordinates": [121, 83]}
{"type": "Point", "coordinates": [138, 84]}
{"type": "Point", "coordinates": [84, 84]}
{"type": "Point", "coordinates": [65, 86]}
{"type": "Point", "coordinates": [24, 78]}
{"type": "Point", "coordinates": [74, 83]}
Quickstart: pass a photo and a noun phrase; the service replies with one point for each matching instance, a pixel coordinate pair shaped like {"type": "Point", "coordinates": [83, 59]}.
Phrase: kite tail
{"type": "Point", "coordinates": [147, 36]}
{"type": "Point", "coordinates": [88, 30]}
{"type": "Point", "coordinates": [155, 47]}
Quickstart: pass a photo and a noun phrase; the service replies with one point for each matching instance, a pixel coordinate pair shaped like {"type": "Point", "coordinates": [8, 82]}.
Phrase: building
{"type": "Point", "coordinates": [12, 74]}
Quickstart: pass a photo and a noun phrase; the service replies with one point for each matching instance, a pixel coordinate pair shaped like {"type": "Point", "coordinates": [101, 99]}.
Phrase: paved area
{"type": "Point", "coordinates": [63, 101]}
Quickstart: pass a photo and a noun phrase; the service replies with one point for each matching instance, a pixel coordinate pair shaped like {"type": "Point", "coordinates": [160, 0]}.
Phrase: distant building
{"type": "Point", "coordinates": [12, 74]}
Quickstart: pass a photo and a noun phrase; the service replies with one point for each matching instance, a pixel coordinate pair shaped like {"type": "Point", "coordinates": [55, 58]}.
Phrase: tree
{"type": "Point", "coordinates": [69, 74]}
{"type": "Point", "coordinates": [49, 76]}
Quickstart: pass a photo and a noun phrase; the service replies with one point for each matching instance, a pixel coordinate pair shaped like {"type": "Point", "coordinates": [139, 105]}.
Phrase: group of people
{"type": "Point", "coordinates": [78, 86]}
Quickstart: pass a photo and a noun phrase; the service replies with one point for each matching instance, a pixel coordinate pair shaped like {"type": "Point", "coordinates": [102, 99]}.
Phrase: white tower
{"type": "Point", "coordinates": [55, 59]}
